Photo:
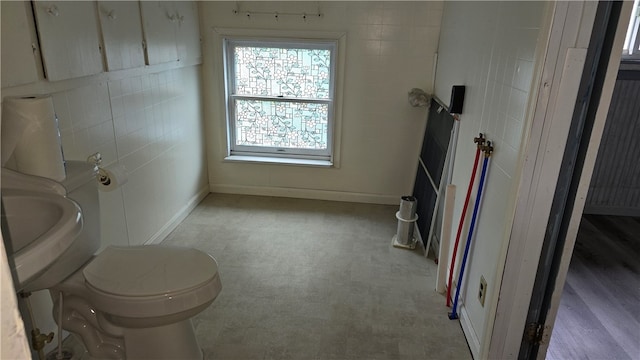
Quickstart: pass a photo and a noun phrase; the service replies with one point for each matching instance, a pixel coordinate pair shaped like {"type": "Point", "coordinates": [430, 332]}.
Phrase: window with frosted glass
{"type": "Point", "coordinates": [281, 124]}
{"type": "Point", "coordinates": [280, 97]}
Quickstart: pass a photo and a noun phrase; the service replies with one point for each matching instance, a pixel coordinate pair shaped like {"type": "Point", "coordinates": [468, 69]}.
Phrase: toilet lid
{"type": "Point", "coordinates": [149, 270]}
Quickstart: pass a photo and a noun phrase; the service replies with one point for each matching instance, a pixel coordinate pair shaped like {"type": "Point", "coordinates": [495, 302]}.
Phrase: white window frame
{"type": "Point", "coordinates": [276, 154]}
{"type": "Point", "coordinates": [632, 40]}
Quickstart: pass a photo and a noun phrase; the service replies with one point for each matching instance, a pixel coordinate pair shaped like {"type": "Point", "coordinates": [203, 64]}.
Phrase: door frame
{"type": "Point", "coordinates": [578, 142]}
{"type": "Point", "coordinates": [566, 52]}
{"type": "Point", "coordinates": [586, 173]}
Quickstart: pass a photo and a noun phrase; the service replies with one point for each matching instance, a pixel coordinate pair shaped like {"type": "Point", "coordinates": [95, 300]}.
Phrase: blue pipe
{"type": "Point", "coordinates": [454, 313]}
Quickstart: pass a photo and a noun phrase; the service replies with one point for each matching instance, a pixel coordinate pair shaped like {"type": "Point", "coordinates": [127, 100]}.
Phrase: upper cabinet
{"type": "Point", "coordinates": [122, 34]}
{"type": "Point", "coordinates": [171, 30]}
{"type": "Point", "coordinates": [69, 38]}
{"type": "Point", "coordinates": [188, 30]}
{"type": "Point", "coordinates": [20, 64]}
{"type": "Point", "coordinates": [158, 21]}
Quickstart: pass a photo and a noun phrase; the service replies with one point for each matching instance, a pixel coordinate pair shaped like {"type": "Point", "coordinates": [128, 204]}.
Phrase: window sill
{"type": "Point", "coordinates": [277, 160]}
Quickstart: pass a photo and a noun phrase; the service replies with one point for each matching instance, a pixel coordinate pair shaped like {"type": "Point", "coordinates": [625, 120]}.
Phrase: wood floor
{"type": "Point", "coordinates": [599, 315]}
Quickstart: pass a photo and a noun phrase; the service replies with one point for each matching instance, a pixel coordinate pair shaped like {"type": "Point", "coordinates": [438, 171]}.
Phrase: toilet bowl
{"type": "Point", "coordinates": [137, 302]}
{"type": "Point", "coordinates": [124, 302]}
{"type": "Point", "coordinates": [148, 286]}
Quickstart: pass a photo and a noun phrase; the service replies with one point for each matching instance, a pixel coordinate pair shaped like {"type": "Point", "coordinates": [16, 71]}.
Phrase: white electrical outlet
{"type": "Point", "coordinates": [482, 292]}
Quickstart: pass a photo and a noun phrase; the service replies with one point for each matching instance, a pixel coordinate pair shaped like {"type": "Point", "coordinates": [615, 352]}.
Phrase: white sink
{"type": "Point", "coordinates": [41, 226]}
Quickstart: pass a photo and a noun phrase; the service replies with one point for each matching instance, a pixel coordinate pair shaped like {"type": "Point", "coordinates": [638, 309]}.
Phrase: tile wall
{"type": "Point", "coordinates": [151, 125]}
{"type": "Point", "coordinates": [148, 120]}
{"type": "Point", "coordinates": [491, 48]}
{"type": "Point", "coordinates": [390, 49]}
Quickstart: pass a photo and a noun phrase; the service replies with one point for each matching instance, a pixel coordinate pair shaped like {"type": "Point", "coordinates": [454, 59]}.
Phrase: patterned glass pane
{"type": "Point", "coordinates": [281, 124]}
{"type": "Point", "coordinates": [269, 71]}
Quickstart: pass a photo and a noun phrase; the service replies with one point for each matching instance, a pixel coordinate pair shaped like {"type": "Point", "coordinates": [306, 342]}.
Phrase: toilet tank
{"type": "Point", "coordinates": [81, 186]}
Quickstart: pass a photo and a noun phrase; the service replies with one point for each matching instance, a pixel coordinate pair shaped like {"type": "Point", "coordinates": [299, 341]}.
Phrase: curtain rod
{"type": "Point", "coordinates": [277, 14]}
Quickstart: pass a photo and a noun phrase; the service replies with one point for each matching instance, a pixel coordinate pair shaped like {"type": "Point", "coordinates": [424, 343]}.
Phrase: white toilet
{"type": "Point", "coordinates": [125, 302]}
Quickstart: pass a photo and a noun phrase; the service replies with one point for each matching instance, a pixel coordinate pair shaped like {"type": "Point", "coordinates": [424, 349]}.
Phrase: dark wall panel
{"type": "Point", "coordinates": [615, 184]}
{"type": "Point", "coordinates": [432, 157]}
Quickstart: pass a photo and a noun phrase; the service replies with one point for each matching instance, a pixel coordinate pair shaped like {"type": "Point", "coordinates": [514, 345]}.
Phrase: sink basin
{"type": "Point", "coordinates": [41, 227]}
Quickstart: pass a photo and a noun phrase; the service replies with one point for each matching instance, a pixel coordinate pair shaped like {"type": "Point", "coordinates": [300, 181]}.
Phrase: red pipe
{"type": "Point", "coordinates": [479, 141]}
{"type": "Point", "coordinates": [487, 152]}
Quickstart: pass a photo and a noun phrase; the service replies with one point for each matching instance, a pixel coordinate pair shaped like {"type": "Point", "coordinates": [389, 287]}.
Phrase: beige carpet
{"type": "Point", "coordinates": [307, 279]}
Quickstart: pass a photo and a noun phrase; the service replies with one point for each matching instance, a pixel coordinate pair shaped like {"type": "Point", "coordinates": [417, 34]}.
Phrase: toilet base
{"type": "Point", "coordinates": [173, 341]}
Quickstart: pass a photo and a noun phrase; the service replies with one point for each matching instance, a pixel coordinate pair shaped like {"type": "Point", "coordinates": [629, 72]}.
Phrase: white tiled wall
{"type": "Point", "coordinates": [390, 48]}
{"type": "Point", "coordinates": [490, 47]}
{"type": "Point", "coordinates": [150, 124]}
{"type": "Point", "coordinates": [84, 119]}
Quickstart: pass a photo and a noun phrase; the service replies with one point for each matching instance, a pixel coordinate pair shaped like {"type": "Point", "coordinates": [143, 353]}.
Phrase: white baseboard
{"type": "Point", "coordinates": [469, 333]}
{"type": "Point", "coordinates": [178, 217]}
{"type": "Point", "coordinates": [306, 194]}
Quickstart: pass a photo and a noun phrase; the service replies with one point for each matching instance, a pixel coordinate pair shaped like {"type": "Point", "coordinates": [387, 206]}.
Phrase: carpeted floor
{"type": "Point", "coordinates": [307, 279]}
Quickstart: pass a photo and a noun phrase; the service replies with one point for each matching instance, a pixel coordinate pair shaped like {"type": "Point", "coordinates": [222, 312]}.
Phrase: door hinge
{"type": "Point", "coordinates": [535, 333]}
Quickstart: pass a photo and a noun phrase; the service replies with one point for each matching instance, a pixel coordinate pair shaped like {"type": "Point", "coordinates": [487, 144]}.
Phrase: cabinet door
{"type": "Point", "coordinates": [20, 57]}
{"type": "Point", "coordinates": [158, 23]}
{"type": "Point", "coordinates": [69, 38]}
{"type": "Point", "coordinates": [122, 34]}
{"type": "Point", "coordinates": [188, 30]}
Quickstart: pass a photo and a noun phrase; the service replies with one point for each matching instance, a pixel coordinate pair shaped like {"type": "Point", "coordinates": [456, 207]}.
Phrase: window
{"type": "Point", "coordinates": [631, 49]}
{"type": "Point", "coordinates": [280, 98]}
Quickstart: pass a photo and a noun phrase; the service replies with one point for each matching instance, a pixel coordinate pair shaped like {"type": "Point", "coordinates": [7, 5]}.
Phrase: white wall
{"type": "Point", "coordinates": [491, 48]}
{"type": "Point", "coordinates": [390, 48]}
{"type": "Point", "coordinates": [147, 119]}
{"type": "Point", "coordinates": [14, 343]}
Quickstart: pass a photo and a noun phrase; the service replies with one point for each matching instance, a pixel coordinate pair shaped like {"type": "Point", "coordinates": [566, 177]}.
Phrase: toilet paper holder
{"type": "Point", "coordinates": [96, 160]}
{"type": "Point", "coordinates": [108, 179]}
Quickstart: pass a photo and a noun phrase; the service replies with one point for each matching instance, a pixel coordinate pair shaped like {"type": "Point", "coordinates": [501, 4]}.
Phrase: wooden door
{"type": "Point", "coordinates": [69, 38]}
{"type": "Point", "coordinates": [21, 64]}
{"type": "Point", "coordinates": [159, 25]}
{"type": "Point", "coordinates": [122, 34]}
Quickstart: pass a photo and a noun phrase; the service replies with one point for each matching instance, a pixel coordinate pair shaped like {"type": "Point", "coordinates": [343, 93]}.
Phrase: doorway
{"type": "Point", "coordinates": [599, 313]}
{"type": "Point", "coordinates": [585, 320]}
{"type": "Point", "coordinates": [554, 188]}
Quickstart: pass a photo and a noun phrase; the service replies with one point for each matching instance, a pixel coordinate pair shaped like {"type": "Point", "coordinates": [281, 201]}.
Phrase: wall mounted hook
{"type": "Point", "coordinates": [53, 10]}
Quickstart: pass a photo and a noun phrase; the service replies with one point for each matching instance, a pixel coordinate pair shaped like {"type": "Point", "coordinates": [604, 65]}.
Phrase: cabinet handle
{"type": "Point", "coordinates": [112, 14]}
{"type": "Point", "coordinates": [53, 10]}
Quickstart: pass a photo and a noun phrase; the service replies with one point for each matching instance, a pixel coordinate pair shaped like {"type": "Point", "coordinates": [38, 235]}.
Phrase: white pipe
{"type": "Point", "coordinates": [445, 238]}
{"type": "Point", "coordinates": [454, 146]}
{"type": "Point", "coordinates": [444, 180]}
{"type": "Point", "coordinates": [59, 353]}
